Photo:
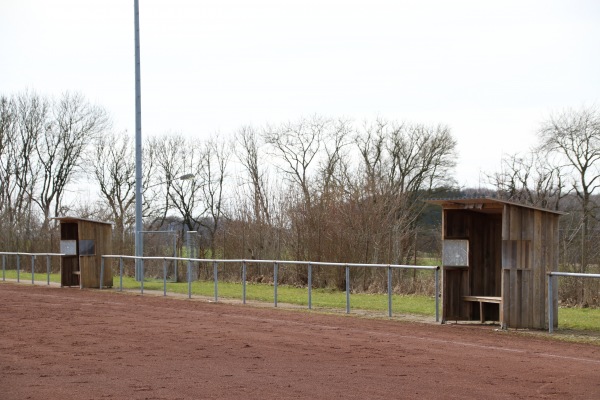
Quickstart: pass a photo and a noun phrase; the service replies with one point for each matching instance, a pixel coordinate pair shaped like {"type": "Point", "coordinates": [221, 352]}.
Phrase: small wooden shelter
{"type": "Point", "coordinates": [83, 242]}
{"type": "Point", "coordinates": [495, 258]}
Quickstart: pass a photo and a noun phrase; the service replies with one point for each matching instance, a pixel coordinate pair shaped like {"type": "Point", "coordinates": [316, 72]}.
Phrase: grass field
{"type": "Point", "coordinates": [568, 317]}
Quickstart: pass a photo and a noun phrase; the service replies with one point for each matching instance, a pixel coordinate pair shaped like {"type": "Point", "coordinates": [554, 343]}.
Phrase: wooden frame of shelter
{"type": "Point", "coordinates": [495, 259]}
{"type": "Point", "coordinates": [83, 242]}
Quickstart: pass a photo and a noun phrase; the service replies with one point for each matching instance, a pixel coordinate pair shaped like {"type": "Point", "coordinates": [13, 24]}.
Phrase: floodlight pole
{"type": "Point", "coordinates": [139, 250]}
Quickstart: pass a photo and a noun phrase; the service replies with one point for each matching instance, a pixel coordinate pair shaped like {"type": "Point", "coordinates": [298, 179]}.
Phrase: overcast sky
{"type": "Point", "coordinates": [491, 70]}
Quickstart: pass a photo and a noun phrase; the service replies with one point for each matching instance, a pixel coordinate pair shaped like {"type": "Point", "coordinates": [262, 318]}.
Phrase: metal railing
{"type": "Point", "coordinates": [33, 256]}
{"type": "Point", "coordinates": [551, 277]}
{"type": "Point", "coordinates": [276, 264]}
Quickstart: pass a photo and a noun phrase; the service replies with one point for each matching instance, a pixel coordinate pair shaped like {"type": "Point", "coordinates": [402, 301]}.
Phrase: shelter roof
{"type": "Point", "coordinates": [484, 204]}
{"type": "Point", "coordinates": [76, 219]}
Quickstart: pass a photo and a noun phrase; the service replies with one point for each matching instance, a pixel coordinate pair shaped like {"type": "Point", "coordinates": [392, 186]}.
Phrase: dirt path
{"type": "Point", "coordinates": [83, 344]}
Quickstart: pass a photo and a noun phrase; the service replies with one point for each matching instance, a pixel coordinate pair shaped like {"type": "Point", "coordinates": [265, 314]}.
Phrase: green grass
{"type": "Point", "coordinates": [322, 298]}
{"type": "Point", "coordinates": [575, 318]}
{"type": "Point", "coordinates": [26, 276]}
{"type": "Point", "coordinates": [431, 261]}
{"type": "Point", "coordinates": [579, 318]}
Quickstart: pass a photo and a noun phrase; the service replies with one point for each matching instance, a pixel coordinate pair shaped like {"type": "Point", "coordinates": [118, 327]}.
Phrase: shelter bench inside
{"type": "Point", "coordinates": [484, 299]}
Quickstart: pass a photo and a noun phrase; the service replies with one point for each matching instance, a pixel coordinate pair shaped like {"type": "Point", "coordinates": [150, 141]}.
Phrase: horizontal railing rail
{"type": "Point", "coordinates": [276, 264]}
{"type": "Point", "coordinates": [33, 256]}
{"type": "Point", "coordinates": [551, 277]}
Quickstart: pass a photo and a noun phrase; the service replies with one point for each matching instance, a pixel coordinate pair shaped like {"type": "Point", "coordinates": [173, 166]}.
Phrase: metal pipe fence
{"type": "Point", "coordinates": [276, 266]}
{"type": "Point", "coordinates": [551, 284]}
{"type": "Point", "coordinates": [33, 257]}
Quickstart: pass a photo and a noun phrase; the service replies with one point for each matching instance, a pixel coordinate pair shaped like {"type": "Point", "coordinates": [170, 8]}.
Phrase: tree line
{"type": "Point", "coordinates": [317, 188]}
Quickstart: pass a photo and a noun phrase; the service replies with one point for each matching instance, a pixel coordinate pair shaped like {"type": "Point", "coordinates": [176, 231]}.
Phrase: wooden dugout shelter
{"type": "Point", "coordinates": [83, 242]}
{"type": "Point", "coordinates": [495, 258]}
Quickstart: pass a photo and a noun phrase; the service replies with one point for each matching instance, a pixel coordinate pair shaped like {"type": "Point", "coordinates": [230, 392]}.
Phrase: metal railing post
{"type": "Point", "coordinates": [101, 272]}
{"type": "Point", "coordinates": [18, 268]}
{"type": "Point", "coordinates": [120, 274]}
{"type": "Point", "coordinates": [3, 267]}
{"type": "Point", "coordinates": [32, 269]}
{"type": "Point", "coordinates": [309, 286]}
{"type": "Point", "coordinates": [389, 290]}
{"type": "Point", "coordinates": [550, 305]}
{"type": "Point", "coordinates": [48, 270]}
{"type": "Point", "coordinates": [244, 282]}
{"type": "Point", "coordinates": [215, 276]}
{"type": "Point", "coordinates": [347, 289]}
{"type": "Point", "coordinates": [437, 295]}
{"type": "Point", "coordinates": [164, 277]}
{"type": "Point", "coordinates": [275, 273]}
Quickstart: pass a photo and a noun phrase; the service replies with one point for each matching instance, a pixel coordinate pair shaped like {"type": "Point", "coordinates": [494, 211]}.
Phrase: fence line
{"type": "Point", "coordinates": [276, 265]}
{"type": "Point", "coordinates": [551, 277]}
{"type": "Point", "coordinates": [33, 257]}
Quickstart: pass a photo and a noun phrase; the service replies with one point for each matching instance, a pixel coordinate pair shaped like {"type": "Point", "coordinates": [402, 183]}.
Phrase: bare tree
{"type": "Point", "coordinates": [175, 156]}
{"type": "Point", "coordinates": [75, 124]}
{"type": "Point", "coordinates": [297, 145]}
{"type": "Point", "coordinates": [420, 157]}
{"type": "Point", "coordinates": [575, 137]}
{"type": "Point", "coordinates": [329, 184]}
{"type": "Point", "coordinates": [247, 152]}
{"type": "Point", "coordinates": [213, 171]}
{"type": "Point", "coordinates": [198, 202]}
{"type": "Point", "coordinates": [114, 171]}
{"type": "Point", "coordinates": [333, 166]}
{"type": "Point", "coordinates": [400, 164]}
{"type": "Point", "coordinates": [24, 120]}
{"type": "Point", "coordinates": [255, 212]}
{"type": "Point", "coordinates": [530, 179]}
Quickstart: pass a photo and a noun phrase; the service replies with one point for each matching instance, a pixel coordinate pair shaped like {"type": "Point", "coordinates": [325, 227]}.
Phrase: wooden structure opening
{"type": "Point", "coordinates": [83, 243]}
{"type": "Point", "coordinates": [495, 258]}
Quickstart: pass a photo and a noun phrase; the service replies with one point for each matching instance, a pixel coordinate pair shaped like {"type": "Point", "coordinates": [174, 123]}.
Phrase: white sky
{"type": "Point", "coordinates": [492, 71]}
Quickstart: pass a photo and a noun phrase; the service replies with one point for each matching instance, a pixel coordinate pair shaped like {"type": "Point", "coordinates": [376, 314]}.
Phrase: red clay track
{"type": "Point", "coordinates": [83, 344]}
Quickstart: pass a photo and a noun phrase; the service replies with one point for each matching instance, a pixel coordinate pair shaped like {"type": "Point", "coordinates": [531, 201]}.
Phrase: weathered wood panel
{"type": "Point", "coordinates": [456, 285]}
{"type": "Point", "coordinates": [90, 264]}
{"type": "Point", "coordinates": [516, 254]}
{"type": "Point", "coordinates": [69, 268]}
{"type": "Point", "coordinates": [525, 312]}
{"type": "Point", "coordinates": [69, 265]}
{"type": "Point", "coordinates": [505, 297]}
{"type": "Point", "coordinates": [68, 231]}
{"type": "Point", "coordinates": [538, 272]}
{"type": "Point", "coordinates": [531, 249]}
{"type": "Point", "coordinates": [486, 266]}
{"type": "Point", "coordinates": [516, 227]}
{"type": "Point", "coordinates": [457, 224]}
{"type": "Point", "coordinates": [553, 262]}
{"type": "Point", "coordinates": [527, 228]}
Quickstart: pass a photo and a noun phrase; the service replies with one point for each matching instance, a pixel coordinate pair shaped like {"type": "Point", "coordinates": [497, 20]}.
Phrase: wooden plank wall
{"type": "Point", "coordinates": [90, 265]}
{"type": "Point", "coordinates": [529, 250]}
{"type": "Point", "coordinates": [456, 285]}
{"type": "Point", "coordinates": [485, 270]}
{"type": "Point", "coordinates": [69, 264]}
{"type": "Point", "coordinates": [483, 276]}
{"type": "Point", "coordinates": [455, 281]}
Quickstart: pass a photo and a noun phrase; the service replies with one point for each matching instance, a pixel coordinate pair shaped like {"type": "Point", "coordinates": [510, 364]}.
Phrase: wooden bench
{"type": "Point", "coordinates": [484, 299]}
